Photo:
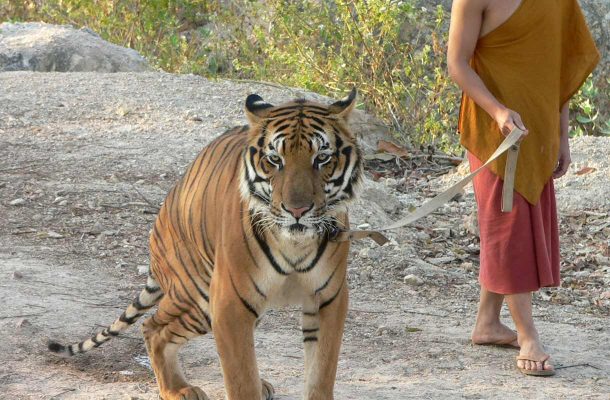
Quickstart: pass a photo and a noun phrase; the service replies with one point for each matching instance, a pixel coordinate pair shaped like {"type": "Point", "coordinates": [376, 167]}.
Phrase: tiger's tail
{"type": "Point", "coordinates": [147, 298]}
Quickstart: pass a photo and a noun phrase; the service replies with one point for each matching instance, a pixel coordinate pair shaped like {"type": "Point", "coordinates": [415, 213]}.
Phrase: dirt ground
{"type": "Point", "coordinates": [85, 159]}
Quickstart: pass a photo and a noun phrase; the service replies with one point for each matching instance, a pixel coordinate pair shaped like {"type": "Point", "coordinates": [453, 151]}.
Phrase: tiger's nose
{"type": "Point", "coordinates": [297, 212]}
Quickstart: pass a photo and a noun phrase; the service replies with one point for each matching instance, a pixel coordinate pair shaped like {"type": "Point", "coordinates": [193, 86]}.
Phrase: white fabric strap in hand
{"type": "Point", "coordinates": [510, 143]}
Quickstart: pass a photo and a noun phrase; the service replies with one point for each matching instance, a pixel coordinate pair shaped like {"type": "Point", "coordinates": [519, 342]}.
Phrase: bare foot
{"type": "Point", "coordinates": [536, 359]}
{"type": "Point", "coordinates": [494, 334]}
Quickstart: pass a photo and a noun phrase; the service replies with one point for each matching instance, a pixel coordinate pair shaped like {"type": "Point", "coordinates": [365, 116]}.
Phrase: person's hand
{"type": "Point", "coordinates": [507, 120]}
{"type": "Point", "coordinates": [564, 160]}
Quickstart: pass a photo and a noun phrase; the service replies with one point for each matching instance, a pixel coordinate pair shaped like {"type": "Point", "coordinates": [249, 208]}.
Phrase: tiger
{"type": "Point", "coordinates": [250, 227]}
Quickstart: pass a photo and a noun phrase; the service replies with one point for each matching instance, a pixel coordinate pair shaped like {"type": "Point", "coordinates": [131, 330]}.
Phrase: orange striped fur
{"type": "Point", "coordinates": [247, 228]}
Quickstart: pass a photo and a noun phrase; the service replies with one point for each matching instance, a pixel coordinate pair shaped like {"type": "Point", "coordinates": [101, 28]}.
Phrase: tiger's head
{"type": "Point", "coordinates": [302, 165]}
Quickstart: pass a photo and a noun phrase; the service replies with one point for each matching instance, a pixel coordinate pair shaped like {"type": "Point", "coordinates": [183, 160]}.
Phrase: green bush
{"type": "Point", "coordinates": [392, 51]}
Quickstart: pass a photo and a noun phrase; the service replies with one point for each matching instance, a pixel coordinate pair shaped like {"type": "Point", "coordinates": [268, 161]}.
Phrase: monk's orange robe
{"type": "Point", "coordinates": [532, 63]}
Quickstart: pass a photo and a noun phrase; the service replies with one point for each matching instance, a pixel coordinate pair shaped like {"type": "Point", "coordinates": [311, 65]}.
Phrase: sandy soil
{"type": "Point", "coordinates": [86, 158]}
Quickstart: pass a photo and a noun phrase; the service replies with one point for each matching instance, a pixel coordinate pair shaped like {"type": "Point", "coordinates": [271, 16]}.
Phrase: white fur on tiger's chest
{"type": "Point", "coordinates": [304, 276]}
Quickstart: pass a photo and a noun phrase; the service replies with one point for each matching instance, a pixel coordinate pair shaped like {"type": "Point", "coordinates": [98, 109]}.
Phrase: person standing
{"type": "Point", "coordinates": [518, 63]}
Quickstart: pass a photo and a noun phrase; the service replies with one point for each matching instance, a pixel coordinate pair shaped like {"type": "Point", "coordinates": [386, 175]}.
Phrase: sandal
{"type": "Point", "coordinates": [535, 372]}
{"type": "Point", "coordinates": [506, 344]}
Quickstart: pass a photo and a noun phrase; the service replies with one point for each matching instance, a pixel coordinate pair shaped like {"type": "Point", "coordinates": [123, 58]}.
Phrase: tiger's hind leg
{"type": "Point", "coordinates": [165, 333]}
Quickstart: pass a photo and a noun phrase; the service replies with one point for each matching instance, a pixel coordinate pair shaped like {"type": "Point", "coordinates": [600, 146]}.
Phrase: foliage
{"type": "Point", "coordinates": [392, 51]}
{"type": "Point", "coordinates": [586, 106]}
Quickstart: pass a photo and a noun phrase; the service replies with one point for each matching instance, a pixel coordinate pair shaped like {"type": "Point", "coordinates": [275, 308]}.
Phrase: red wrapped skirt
{"type": "Point", "coordinates": [520, 249]}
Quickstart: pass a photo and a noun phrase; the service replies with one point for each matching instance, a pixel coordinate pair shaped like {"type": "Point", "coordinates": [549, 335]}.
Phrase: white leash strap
{"type": "Point", "coordinates": [509, 177]}
{"type": "Point", "coordinates": [511, 142]}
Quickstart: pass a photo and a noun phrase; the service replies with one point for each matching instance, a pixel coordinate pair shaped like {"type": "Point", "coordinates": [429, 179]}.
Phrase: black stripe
{"type": "Point", "coordinates": [327, 302]}
{"type": "Point", "coordinates": [177, 334]}
{"type": "Point", "coordinates": [96, 343]}
{"type": "Point", "coordinates": [192, 302]}
{"type": "Point", "coordinates": [265, 248]}
{"type": "Point", "coordinates": [321, 250]}
{"type": "Point", "coordinates": [258, 290]}
{"type": "Point", "coordinates": [311, 330]}
{"type": "Point", "coordinates": [151, 290]}
{"type": "Point", "coordinates": [243, 301]}
{"type": "Point", "coordinates": [284, 113]}
{"type": "Point", "coordinates": [310, 339]}
{"type": "Point", "coordinates": [130, 320]}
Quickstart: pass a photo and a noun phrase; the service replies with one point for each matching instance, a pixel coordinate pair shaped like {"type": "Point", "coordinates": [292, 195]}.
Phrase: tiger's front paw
{"type": "Point", "coordinates": [187, 393]}
{"type": "Point", "coordinates": [268, 390]}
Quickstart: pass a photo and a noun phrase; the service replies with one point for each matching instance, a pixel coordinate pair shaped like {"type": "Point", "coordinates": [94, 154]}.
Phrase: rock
{"type": "Point", "coordinates": [96, 229]}
{"type": "Point", "coordinates": [441, 260]}
{"type": "Point", "coordinates": [413, 280]}
{"type": "Point", "coordinates": [22, 322]}
{"type": "Point", "coordinates": [126, 372]}
{"type": "Point", "coordinates": [381, 331]}
{"type": "Point", "coordinates": [17, 275]}
{"type": "Point", "coordinates": [17, 202]}
{"type": "Point", "coordinates": [54, 235]}
{"type": "Point", "coordinates": [142, 269]}
{"type": "Point", "coordinates": [471, 223]}
{"type": "Point", "coordinates": [36, 46]}
{"type": "Point", "coordinates": [388, 203]}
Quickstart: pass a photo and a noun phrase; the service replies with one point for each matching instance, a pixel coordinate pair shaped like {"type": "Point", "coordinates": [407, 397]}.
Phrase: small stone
{"type": "Point", "coordinates": [142, 269]}
{"type": "Point", "coordinates": [108, 233]}
{"type": "Point", "coordinates": [601, 260]}
{"type": "Point", "coordinates": [17, 275]}
{"type": "Point", "coordinates": [54, 235]}
{"type": "Point", "coordinates": [413, 280]}
{"type": "Point", "coordinates": [440, 260]}
{"type": "Point", "coordinates": [468, 266]}
{"type": "Point", "coordinates": [364, 252]}
{"type": "Point", "coordinates": [381, 331]}
{"type": "Point", "coordinates": [2, 184]}
{"type": "Point", "coordinates": [434, 351]}
{"type": "Point", "coordinates": [96, 229]}
{"type": "Point", "coordinates": [17, 202]}
{"type": "Point", "coordinates": [22, 322]}
{"type": "Point", "coordinates": [364, 226]}
{"type": "Point", "coordinates": [126, 372]}
{"type": "Point", "coordinates": [58, 199]}
{"type": "Point", "coordinates": [443, 232]}
{"type": "Point", "coordinates": [122, 111]}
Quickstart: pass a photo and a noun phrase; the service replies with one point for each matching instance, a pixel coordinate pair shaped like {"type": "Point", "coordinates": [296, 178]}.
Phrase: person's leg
{"type": "Point", "coordinates": [488, 329]}
{"type": "Point", "coordinates": [520, 306]}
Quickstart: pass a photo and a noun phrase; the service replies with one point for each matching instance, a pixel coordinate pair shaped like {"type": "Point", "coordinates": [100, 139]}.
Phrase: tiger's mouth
{"type": "Point", "coordinates": [297, 227]}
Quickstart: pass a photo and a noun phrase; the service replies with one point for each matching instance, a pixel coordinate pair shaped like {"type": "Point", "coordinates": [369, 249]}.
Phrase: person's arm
{"type": "Point", "coordinates": [564, 159]}
{"type": "Point", "coordinates": [464, 30]}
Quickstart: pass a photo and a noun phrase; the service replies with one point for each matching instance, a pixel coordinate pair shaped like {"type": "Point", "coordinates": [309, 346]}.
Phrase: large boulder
{"type": "Point", "coordinates": [35, 46]}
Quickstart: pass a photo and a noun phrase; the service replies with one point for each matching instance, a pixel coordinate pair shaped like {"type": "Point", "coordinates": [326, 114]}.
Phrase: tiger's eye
{"type": "Point", "coordinates": [322, 157]}
{"type": "Point", "coordinates": [275, 159]}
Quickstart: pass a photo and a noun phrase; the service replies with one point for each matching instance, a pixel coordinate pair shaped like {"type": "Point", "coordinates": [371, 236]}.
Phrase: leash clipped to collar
{"type": "Point", "coordinates": [510, 144]}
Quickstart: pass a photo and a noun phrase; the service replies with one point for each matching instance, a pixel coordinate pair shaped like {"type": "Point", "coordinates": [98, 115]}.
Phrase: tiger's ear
{"type": "Point", "coordinates": [256, 108]}
{"type": "Point", "coordinates": [344, 107]}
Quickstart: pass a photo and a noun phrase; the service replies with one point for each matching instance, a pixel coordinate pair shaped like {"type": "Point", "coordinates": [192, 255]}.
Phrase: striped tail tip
{"type": "Point", "coordinates": [58, 348]}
